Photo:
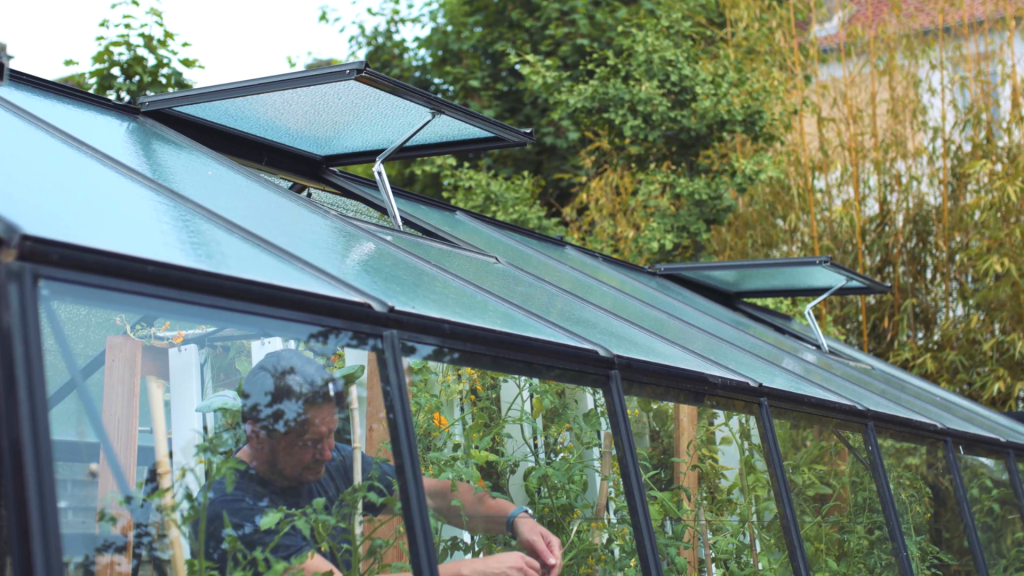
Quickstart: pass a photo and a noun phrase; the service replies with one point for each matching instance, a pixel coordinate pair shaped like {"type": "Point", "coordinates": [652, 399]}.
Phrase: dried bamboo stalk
{"type": "Point", "coordinates": [602, 491]}
{"type": "Point", "coordinates": [357, 459]}
{"type": "Point", "coordinates": [163, 472]}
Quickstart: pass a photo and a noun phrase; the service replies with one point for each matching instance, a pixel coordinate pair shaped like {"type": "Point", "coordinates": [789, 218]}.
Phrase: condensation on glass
{"type": "Point", "coordinates": [534, 436]}
{"type": "Point", "coordinates": [336, 118]}
{"type": "Point", "coordinates": [926, 502]}
{"type": "Point", "coordinates": [708, 487]}
{"type": "Point", "coordinates": [836, 499]}
{"type": "Point", "coordinates": [126, 348]}
{"type": "Point", "coordinates": [997, 512]}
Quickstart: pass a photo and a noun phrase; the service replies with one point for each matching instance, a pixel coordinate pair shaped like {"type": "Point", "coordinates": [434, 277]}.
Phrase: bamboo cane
{"type": "Point", "coordinates": [163, 472]}
{"type": "Point", "coordinates": [708, 564]}
{"type": "Point", "coordinates": [602, 491]}
{"type": "Point", "coordinates": [357, 460]}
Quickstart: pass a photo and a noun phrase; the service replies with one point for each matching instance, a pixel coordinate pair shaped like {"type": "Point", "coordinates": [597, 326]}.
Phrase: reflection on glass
{"type": "Point", "coordinates": [512, 434]}
{"type": "Point", "coordinates": [255, 414]}
{"type": "Point", "coordinates": [922, 488]}
{"type": "Point", "coordinates": [835, 495]}
{"type": "Point", "coordinates": [707, 484]}
{"type": "Point", "coordinates": [995, 507]}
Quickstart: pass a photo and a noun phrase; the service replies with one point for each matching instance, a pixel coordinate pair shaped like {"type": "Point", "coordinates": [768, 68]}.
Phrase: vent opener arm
{"type": "Point", "coordinates": [809, 314]}
{"type": "Point", "coordinates": [382, 177]}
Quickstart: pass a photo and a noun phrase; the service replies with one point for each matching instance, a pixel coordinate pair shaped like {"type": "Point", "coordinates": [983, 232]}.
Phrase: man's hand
{"type": "Point", "coordinates": [504, 564]}
{"type": "Point", "coordinates": [539, 543]}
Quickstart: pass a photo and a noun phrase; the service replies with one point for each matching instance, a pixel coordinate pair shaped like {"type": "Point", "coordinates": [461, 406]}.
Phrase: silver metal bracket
{"type": "Point", "coordinates": [809, 314]}
{"type": "Point", "coordinates": [382, 177]}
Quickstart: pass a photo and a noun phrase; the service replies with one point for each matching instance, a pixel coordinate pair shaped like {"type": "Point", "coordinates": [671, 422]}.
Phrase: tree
{"type": "Point", "coordinates": [638, 109]}
{"type": "Point", "coordinates": [137, 56]}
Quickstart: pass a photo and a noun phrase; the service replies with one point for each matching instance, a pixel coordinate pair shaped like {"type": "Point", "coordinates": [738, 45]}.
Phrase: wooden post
{"type": "Point", "coordinates": [377, 437]}
{"type": "Point", "coordinates": [685, 449]}
{"type": "Point", "coordinates": [122, 375]}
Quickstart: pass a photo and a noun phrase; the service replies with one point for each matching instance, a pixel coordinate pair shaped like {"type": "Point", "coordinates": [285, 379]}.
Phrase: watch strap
{"type": "Point", "coordinates": [512, 518]}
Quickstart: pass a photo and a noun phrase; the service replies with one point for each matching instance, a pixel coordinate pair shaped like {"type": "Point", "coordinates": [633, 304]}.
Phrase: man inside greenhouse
{"type": "Point", "coordinates": [289, 496]}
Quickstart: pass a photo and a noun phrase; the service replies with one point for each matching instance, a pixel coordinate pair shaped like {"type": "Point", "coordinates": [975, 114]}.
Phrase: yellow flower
{"type": "Point", "coordinates": [179, 337]}
{"type": "Point", "coordinates": [440, 421]}
{"type": "Point", "coordinates": [167, 325]}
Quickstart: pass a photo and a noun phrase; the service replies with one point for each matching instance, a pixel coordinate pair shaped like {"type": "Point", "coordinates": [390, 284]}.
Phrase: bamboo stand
{"type": "Point", "coordinates": [163, 472]}
{"type": "Point", "coordinates": [602, 491]}
{"type": "Point", "coordinates": [357, 459]}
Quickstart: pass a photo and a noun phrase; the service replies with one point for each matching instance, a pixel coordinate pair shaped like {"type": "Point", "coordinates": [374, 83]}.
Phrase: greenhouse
{"type": "Point", "coordinates": [155, 255]}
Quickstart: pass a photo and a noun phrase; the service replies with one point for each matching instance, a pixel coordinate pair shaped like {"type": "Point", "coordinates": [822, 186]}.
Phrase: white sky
{"type": "Point", "coordinates": [233, 39]}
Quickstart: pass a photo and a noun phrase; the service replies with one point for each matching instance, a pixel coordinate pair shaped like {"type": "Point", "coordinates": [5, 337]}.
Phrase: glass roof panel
{"type": "Point", "coordinates": [331, 119]}
{"type": "Point", "coordinates": [779, 277]}
{"type": "Point", "coordinates": [250, 201]}
{"type": "Point", "coordinates": [870, 394]}
{"type": "Point", "coordinates": [690, 337]}
{"type": "Point", "coordinates": [877, 383]}
{"type": "Point", "coordinates": [346, 113]}
{"type": "Point", "coordinates": [588, 321]}
{"type": "Point", "coordinates": [948, 402]}
{"type": "Point", "coordinates": [132, 219]}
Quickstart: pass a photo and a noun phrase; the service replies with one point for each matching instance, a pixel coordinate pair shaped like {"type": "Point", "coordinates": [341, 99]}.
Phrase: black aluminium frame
{"type": "Point", "coordinates": [39, 545]}
{"type": "Point", "coordinates": [678, 273]}
{"type": "Point", "coordinates": [25, 447]}
{"type": "Point", "coordinates": [162, 106]}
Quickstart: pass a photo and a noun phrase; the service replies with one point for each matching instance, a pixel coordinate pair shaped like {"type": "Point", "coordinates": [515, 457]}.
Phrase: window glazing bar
{"type": "Point", "coordinates": [92, 414]}
{"type": "Point", "coordinates": [965, 510]}
{"type": "Point", "coordinates": [632, 478]}
{"type": "Point", "coordinates": [422, 556]}
{"type": "Point", "coordinates": [892, 517]}
{"type": "Point", "coordinates": [780, 486]}
{"type": "Point", "coordinates": [382, 177]}
{"type": "Point", "coordinates": [1018, 489]}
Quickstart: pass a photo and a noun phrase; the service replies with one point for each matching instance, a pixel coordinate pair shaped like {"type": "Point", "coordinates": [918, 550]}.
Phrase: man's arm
{"type": "Point", "coordinates": [316, 564]}
{"type": "Point", "coordinates": [482, 513]}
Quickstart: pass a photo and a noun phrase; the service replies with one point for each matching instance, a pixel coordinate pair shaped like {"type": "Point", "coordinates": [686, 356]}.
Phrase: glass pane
{"type": "Point", "coordinates": [261, 456]}
{"type": "Point", "coordinates": [770, 278]}
{"type": "Point", "coordinates": [704, 317]}
{"type": "Point", "coordinates": [526, 436]}
{"type": "Point", "coordinates": [336, 118]}
{"type": "Point", "coordinates": [836, 499]}
{"type": "Point", "coordinates": [715, 349]}
{"type": "Point", "coordinates": [337, 203]}
{"type": "Point", "coordinates": [926, 501]}
{"type": "Point", "coordinates": [580, 318]}
{"type": "Point", "coordinates": [280, 216]}
{"type": "Point", "coordinates": [707, 484]}
{"type": "Point", "coordinates": [997, 513]}
{"type": "Point", "coordinates": [122, 216]}
{"type": "Point", "coordinates": [878, 387]}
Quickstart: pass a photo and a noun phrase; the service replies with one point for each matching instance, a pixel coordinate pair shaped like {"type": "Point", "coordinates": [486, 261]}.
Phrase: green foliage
{"type": "Point", "coordinates": [637, 106]}
{"type": "Point", "coordinates": [482, 444]}
{"type": "Point", "coordinates": [723, 476]}
{"type": "Point", "coordinates": [137, 56]}
{"type": "Point", "coordinates": [904, 161]}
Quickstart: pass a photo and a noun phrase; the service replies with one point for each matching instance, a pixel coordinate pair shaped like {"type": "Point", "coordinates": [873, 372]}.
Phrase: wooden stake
{"type": "Point", "coordinates": [163, 472]}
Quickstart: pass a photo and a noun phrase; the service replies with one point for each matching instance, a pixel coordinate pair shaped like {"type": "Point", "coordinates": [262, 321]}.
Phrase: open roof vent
{"type": "Point", "coordinates": [816, 276]}
{"type": "Point", "coordinates": [338, 116]}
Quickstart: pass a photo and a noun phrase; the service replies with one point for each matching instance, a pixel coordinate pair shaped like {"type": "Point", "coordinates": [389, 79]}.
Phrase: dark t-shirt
{"type": "Point", "coordinates": [253, 495]}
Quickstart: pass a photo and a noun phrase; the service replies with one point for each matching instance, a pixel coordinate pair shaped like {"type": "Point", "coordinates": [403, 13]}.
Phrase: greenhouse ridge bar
{"type": "Point", "coordinates": [653, 421]}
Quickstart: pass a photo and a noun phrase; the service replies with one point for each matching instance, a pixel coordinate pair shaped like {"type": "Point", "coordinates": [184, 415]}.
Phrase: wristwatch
{"type": "Point", "coordinates": [512, 518]}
